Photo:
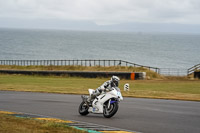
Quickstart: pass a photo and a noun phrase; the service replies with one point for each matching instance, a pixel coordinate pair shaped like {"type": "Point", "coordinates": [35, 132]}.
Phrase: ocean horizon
{"type": "Point", "coordinates": [162, 50]}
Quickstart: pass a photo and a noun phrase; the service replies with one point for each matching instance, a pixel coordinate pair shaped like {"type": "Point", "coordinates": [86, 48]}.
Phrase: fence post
{"type": "Point", "coordinates": [120, 63]}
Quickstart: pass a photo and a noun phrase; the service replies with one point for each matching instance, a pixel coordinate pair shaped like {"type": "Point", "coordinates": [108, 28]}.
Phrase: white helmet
{"type": "Point", "coordinates": [115, 80]}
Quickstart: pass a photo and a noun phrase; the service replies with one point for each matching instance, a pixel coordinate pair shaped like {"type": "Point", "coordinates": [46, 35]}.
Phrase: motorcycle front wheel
{"type": "Point", "coordinates": [112, 110]}
{"type": "Point", "coordinates": [83, 109]}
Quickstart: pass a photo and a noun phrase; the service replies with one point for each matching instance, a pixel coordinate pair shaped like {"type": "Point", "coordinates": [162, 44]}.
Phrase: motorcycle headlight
{"type": "Point", "coordinates": [119, 95]}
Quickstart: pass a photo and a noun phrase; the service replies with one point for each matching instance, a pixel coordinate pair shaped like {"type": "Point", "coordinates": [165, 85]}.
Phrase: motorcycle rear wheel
{"type": "Point", "coordinates": [83, 109]}
{"type": "Point", "coordinates": [111, 111]}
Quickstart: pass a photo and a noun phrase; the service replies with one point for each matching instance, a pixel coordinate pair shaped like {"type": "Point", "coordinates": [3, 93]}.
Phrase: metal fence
{"type": "Point", "coordinates": [173, 71]}
{"type": "Point", "coordinates": [193, 69]}
{"type": "Point", "coordinates": [103, 63]}
{"type": "Point", "coordinates": [74, 63]}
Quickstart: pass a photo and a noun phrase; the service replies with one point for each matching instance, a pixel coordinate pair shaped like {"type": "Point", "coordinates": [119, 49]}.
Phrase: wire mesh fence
{"type": "Point", "coordinates": [173, 71]}
{"type": "Point", "coordinates": [103, 63]}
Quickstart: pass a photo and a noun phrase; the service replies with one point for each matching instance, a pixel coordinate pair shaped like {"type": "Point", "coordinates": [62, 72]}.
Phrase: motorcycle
{"type": "Point", "coordinates": [106, 103]}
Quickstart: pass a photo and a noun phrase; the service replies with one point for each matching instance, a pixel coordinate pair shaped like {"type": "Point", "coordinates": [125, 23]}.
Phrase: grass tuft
{"type": "Point", "coordinates": [12, 124]}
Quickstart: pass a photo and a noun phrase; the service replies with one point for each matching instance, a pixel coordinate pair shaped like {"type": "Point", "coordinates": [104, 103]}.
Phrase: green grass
{"type": "Point", "coordinates": [12, 124]}
{"type": "Point", "coordinates": [182, 89]}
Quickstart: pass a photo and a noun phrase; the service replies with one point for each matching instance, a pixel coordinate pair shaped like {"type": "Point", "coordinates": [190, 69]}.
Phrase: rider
{"type": "Point", "coordinates": [113, 82]}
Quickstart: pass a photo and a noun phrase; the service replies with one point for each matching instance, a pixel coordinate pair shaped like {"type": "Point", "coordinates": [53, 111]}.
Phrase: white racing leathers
{"type": "Point", "coordinates": [105, 86]}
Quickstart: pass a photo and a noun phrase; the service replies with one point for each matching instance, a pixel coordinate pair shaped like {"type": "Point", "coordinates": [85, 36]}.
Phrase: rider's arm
{"type": "Point", "coordinates": [104, 86]}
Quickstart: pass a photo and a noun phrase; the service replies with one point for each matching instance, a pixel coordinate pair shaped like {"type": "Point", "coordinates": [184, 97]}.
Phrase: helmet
{"type": "Point", "coordinates": [115, 81]}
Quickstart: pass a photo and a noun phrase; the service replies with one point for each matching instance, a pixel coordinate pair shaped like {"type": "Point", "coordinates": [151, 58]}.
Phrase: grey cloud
{"type": "Point", "coordinates": [105, 12]}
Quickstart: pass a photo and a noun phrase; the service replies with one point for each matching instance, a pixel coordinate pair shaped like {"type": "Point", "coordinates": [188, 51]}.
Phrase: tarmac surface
{"type": "Point", "coordinates": [135, 114]}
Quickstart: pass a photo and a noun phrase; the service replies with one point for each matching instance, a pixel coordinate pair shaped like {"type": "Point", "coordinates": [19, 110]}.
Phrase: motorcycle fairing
{"type": "Point", "coordinates": [100, 100]}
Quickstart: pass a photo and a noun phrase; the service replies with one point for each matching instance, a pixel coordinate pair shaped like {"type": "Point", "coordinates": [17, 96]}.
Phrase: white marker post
{"type": "Point", "coordinates": [126, 87]}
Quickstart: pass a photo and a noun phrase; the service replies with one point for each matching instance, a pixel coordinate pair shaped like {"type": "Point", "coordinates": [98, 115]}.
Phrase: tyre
{"type": "Point", "coordinates": [83, 109]}
{"type": "Point", "coordinates": [109, 112]}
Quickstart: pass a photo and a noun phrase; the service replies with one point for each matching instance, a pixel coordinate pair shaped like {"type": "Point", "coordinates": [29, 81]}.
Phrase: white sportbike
{"type": "Point", "coordinates": [106, 103]}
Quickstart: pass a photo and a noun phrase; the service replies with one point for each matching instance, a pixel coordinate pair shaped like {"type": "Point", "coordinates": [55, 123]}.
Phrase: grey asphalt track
{"type": "Point", "coordinates": [135, 114]}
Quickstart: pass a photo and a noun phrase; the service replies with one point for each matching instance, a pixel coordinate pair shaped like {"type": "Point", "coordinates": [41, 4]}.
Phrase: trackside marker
{"type": "Point", "coordinates": [5, 112]}
{"type": "Point", "coordinates": [54, 120]}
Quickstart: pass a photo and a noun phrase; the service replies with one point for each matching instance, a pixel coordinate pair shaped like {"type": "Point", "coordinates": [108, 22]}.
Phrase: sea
{"type": "Point", "coordinates": [162, 50]}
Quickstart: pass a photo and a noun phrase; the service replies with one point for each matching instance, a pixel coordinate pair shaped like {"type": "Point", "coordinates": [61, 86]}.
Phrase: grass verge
{"type": "Point", "coordinates": [180, 89]}
{"type": "Point", "coordinates": [12, 124]}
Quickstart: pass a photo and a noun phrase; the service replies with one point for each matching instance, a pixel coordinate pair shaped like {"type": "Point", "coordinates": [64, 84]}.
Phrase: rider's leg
{"type": "Point", "coordinates": [96, 93]}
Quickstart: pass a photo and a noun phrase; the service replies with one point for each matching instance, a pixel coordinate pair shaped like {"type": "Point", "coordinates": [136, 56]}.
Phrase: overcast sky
{"type": "Point", "coordinates": [105, 14]}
